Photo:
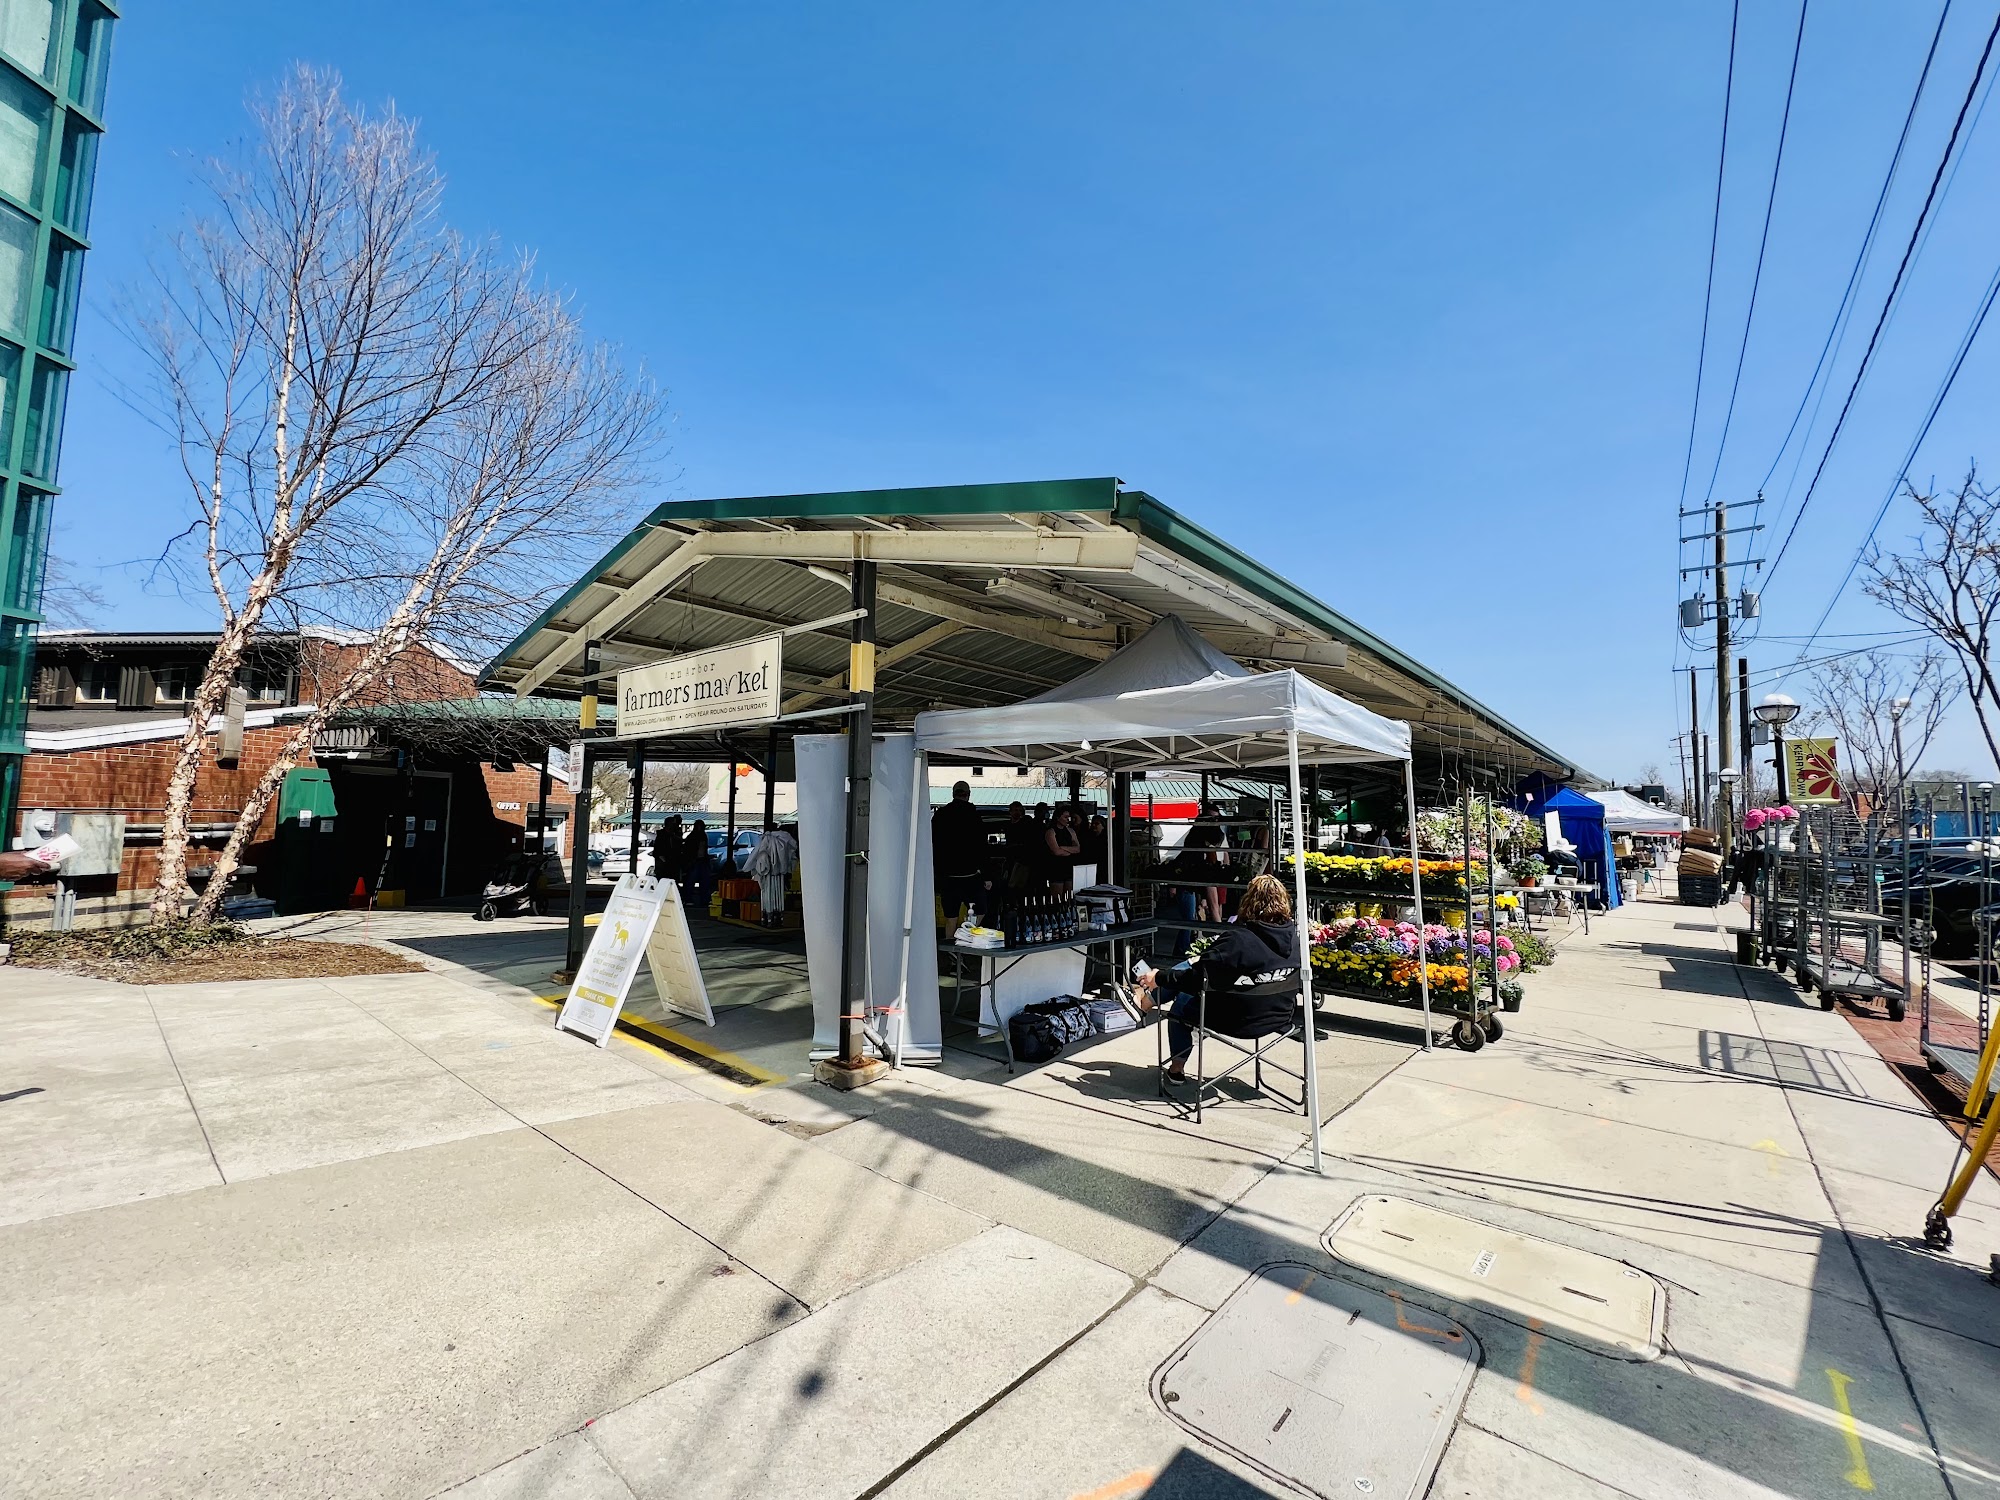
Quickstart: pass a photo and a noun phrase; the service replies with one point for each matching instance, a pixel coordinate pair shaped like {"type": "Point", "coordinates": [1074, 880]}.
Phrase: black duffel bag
{"type": "Point", "coordinates": [1038, 1032]}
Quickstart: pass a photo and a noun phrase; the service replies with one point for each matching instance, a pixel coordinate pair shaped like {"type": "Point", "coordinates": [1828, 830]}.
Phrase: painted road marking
{"type": "Point", "coordinates": [1857, 1466]}
{"type": "Point", "coordinates": [689, 1051]}
{"type": "Point", "coordinates": [1403, 1323]}
{"type": "Point", "coordinates": [1120, 1489]}
{"type": "Point", "coordinates": [1524, 1389]}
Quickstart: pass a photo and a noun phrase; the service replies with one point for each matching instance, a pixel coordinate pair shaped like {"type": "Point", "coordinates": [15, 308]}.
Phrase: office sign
{"type": "Point", "coordinates": [1813, 769]}
{"type": "Point", "coordinates": [610, 964]}
{"type": "Point", "coordinates": [735, 684]}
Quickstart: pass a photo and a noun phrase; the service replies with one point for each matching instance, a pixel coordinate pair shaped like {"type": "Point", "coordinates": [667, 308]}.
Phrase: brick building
{"type": "Point", "coordinates": [427, 786]}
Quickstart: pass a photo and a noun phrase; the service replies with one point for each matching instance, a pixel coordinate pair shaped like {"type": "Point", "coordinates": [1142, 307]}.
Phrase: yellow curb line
{"type": "Point", "coordinates": [673, 1041]}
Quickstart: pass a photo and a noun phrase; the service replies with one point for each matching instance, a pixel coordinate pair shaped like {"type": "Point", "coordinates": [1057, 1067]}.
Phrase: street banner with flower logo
{"type": "Point", "coordinates": [1813, 767]}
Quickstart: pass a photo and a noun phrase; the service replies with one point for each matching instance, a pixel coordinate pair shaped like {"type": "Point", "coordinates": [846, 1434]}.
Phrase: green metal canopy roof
{"type": "Point", "coordinates": [986, 594]}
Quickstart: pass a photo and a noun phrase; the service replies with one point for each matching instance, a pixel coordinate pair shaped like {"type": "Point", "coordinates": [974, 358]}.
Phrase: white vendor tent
{"type": "Point", "coordinates": [1171, 701]}
{"type": "Point", "coordinates": [1625, 813]}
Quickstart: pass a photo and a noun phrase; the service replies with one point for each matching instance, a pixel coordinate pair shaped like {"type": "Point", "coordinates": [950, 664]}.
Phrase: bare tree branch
{"type": "Point", "coordinates": [384, 427]}
{"type": "Point", "coordinates": [1947, 582]}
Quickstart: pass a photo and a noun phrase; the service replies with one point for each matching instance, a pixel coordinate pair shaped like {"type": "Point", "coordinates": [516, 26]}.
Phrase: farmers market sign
{"type": "Point", "coordinates": [736, 684]}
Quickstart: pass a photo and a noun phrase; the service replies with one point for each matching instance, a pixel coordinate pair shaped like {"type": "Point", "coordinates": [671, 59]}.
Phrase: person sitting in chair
{"type": "Point", "coordinates": [1261, 947]}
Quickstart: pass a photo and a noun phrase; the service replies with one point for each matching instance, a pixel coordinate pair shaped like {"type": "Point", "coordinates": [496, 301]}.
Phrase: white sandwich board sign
{"type": "Point", "coordinates": [610, 964]}
{"type": "Point", "coordinates": [734, 684]}
{"type": "Point", "coordinates": [676, 970]}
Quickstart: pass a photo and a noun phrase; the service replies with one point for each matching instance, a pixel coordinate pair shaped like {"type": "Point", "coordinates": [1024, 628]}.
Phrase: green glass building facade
{"type": "Point", "coordinates": [54, 57]}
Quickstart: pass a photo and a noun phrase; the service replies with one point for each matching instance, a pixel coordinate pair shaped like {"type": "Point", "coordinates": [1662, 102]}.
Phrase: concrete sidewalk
{"type": "Point", "coordinates": [391, 1235]}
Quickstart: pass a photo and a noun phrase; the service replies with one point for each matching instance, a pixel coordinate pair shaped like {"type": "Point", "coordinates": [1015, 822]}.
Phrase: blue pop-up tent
{"type": "Point", "coordinates": [1582, 822]}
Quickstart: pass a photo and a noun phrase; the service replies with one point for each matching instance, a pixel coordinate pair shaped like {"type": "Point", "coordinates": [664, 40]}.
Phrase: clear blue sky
{"type": "Point", "coordinates": [1401, 299]}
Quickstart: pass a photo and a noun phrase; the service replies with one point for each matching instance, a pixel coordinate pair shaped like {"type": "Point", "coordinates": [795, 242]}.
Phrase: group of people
{"type": "Point", "coordinates": [1042, 853]}
{"type": "Point", "coordinates": [680, 854]}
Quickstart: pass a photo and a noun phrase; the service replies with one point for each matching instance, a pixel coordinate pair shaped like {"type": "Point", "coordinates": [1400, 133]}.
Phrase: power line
{"type": "Point", "coordinates": [1708, 291]}
{"type": "Point", "coordinates": [1763, 240]}
{"type": "Point", "coordinates": [1910, 456]}
{"type": "Point", "coordinates": [1867, 244]}
{"type": "Point", "coordinates": [1902, 268]}
{"type": "Point", "coordinates": [1714, 235]}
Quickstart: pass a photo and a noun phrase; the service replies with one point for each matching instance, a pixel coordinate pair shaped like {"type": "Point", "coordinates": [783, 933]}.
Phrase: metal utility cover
{"type": "Point", "coordinates": [1585, 1299]}
{"type": "Point", "coordinates": [1327, 1386]}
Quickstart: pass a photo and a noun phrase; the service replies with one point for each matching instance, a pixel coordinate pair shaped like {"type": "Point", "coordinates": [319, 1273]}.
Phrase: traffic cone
{"type": "Point", "coordinates": [360, 897]}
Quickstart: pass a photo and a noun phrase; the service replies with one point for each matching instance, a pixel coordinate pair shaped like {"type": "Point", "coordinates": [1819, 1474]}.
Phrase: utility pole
{"type": "Point", "coordinates": [1699, 806]}
{"type": "Point", "coordinates": [1743, 727]}
{"type": "Point", "coordinates": [1693, 614]}
{"type": "Point", "coordinates": [1725, 809]}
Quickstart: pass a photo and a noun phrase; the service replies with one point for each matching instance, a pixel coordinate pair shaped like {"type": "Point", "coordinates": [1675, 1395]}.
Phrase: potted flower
{"type": "Point", "coordinates": [1527, 872]}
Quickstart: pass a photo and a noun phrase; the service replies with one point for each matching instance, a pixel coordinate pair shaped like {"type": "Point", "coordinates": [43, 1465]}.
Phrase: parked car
{"type": "Point", "coordinates": [618, 862]}
{"type": "Point", "coordinates": [747, 839]}
{"type": "Point", "coordinates": [1948, 886]}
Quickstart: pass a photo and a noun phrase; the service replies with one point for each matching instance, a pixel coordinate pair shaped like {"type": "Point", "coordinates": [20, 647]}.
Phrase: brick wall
{"type": "Point", "coordinates": [132, 779]}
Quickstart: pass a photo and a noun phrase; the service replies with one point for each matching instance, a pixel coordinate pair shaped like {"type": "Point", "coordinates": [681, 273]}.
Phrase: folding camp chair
{"type": "Point", "coordinates": [1256, 1055]}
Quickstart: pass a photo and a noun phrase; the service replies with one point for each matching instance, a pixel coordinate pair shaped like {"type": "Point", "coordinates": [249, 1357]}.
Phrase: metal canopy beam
{"type": "Point", "coordinates": [1114, 551]}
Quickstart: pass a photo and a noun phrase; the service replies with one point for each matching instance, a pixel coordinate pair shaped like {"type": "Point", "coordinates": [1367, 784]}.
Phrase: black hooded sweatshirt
{"type": "Point", "coordinates": [1249, 953]}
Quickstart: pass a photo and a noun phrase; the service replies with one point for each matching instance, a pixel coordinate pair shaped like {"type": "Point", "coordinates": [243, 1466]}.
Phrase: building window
{"type": "Point", "coordinates": [17, 653]}
{"type": "Point", "coordinates": [264, 684]}
{"type": "Point", "coordinates": [60, 285]}
{"type": "Point", "coordinates": [90, 56]}
{"type": "Point", "coordinates": [76, 174]}
{"type": "Point", "coordinates": [27, 550]}
{"type": "Point", "coordinates": [43, 443]}
{"type": "Point", "coordinates": [27, 30]}
{"type": "Point", "coordinates": [17, 264]}
{"type": "Point", "coordinates": [175, 682]}
{"type": "Point", "coordinates": [96, 680]}
{"type": "Point", "coordinates": [25, 112]}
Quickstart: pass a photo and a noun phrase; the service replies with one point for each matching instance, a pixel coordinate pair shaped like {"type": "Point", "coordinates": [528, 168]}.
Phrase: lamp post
{"type": "Point", "coordinates": [1777, 710]}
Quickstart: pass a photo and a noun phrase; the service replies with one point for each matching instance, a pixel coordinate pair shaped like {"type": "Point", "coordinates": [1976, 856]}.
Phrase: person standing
{"type": "Point", "coordinates": [1024, 843]}
{"type": "Point", "coordinates": [696, 866]}
{"type": "Point", "coordinates": [1062, 846]}
{"type": "Point", "coordinates": [958, 854]}
{"type": "Point", "coordinates": [667, 850]}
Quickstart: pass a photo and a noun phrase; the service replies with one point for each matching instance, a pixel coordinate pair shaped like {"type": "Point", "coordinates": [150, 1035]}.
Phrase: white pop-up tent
{"type": "Point", "coordinates": [1625, 813]}
{"type": "Point", "coordinates": [1171, 701]}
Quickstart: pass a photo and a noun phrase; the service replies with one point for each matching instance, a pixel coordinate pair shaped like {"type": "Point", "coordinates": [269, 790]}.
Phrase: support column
{"type": "Point", "coordinates": [1118, 847]}
{"type": "Point", "coordinates": [637, 765]}
{"type": "Point", "coordinates": [579, 868]}
{"type": "Point", "coordinates": [771, 779]}
{"type": "Point", "coordinates": [542, 807]}
{"type": "Point", "coordinates": [729, 838]}
{"type": "Point", "coordinates": [852, 1067]}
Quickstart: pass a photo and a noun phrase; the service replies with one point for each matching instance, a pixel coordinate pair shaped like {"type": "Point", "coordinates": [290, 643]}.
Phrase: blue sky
{"type": "Point", "coordinates": [1403, 300]}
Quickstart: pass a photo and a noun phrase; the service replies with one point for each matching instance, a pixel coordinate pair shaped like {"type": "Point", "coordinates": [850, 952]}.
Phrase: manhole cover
{"type": "Point", "coordinates": [1322, 1384]}
{"type": "Point", "coordinates": [1585, 1299]}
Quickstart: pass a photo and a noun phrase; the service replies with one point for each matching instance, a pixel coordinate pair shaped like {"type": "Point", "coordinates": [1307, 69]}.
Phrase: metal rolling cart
{"type": "Point", "coordinates": [1967, 1065]}
{"type": "Point", "coordinates": [1839, 899]}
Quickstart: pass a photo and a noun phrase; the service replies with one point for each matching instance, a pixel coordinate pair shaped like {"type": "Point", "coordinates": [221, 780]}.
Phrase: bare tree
{"type": "Point", "coordinates": [1853, 698]}
{"type": "Point", "coordinates": [1948, 584]}
{"type": "Point", "coordinates": [385, 428]}
{"type": "Point", "coordinates": [671, 787]}
{"type": "Point", "coordinates": [68, 601]}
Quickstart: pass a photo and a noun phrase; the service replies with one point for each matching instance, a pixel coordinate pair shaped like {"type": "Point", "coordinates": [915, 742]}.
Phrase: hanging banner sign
{"type": "Point", "coordinates": [611, 963]}
{"type": "Point", "coordinates": [735, 684]}
{"type": "Point", "coordinates": [1813, 769]}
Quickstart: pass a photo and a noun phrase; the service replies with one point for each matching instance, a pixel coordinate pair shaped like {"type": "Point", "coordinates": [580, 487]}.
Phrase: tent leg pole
{"type": "Point", "coordinates": [920, 781]}
{"type": "Point", "coordinates": [1305, 946]}
{"type": "Point", "coordinates": [1417, 894]}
